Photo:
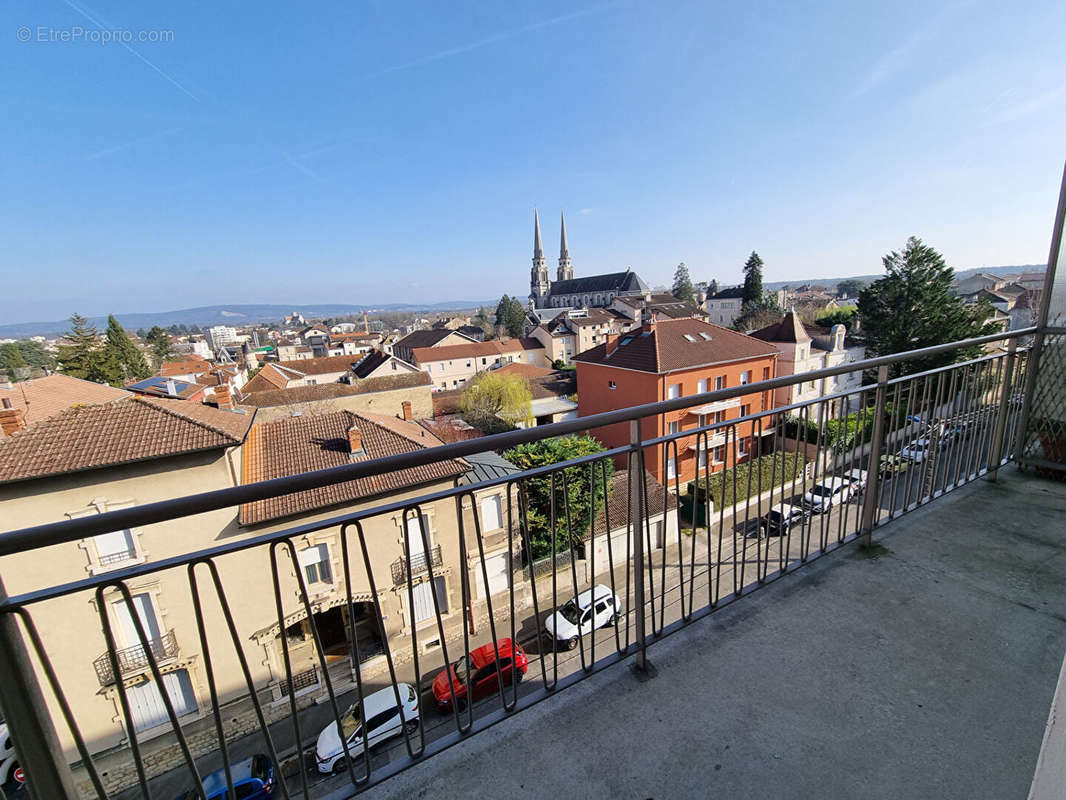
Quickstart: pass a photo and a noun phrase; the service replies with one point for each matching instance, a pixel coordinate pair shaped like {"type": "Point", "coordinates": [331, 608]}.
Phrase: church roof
{"type": "Point", "coordinates": [627, 281]}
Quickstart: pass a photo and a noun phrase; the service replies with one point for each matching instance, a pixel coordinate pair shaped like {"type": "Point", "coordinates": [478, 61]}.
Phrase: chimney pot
{"type": "Point", "coordinates": [222, 396]}
{"type": "Point", "coordinates": [355, 440]}
{"type": "Point", "coordinates": [407, 413]}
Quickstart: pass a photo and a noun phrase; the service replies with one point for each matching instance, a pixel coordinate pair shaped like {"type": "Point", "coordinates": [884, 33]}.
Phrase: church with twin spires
{"type": "Point", "coordinates": [595, 291]}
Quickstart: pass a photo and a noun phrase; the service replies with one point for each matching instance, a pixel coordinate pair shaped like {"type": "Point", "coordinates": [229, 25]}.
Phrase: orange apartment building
{"type": "Point", "coordinates": [676, 358]}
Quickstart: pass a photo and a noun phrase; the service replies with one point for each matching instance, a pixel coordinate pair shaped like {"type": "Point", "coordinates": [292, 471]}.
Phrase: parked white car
{"type": "Point", "coordinates": [917, 450]}
{"type": "Point", "coordinates": [824, 495]}
{"type": "Point", "coordinates": [382, 718]}
{"type": "Point", "coordinates": [592, 609]}
{"type": "Point", "coordinates": [8, 760]}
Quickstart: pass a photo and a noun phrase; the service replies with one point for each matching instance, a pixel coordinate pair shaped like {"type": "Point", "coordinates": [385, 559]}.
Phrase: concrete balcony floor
{"type": "Point", "coordinates": [925, 667]}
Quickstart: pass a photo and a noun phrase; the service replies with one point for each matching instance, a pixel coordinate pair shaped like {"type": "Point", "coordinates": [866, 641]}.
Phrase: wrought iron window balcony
{"type": "Point", "coordinates": [132, 660]}
{"type": "Point", "coordinates": [420, 562]}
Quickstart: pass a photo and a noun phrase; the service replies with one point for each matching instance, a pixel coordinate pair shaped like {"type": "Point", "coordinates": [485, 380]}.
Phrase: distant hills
{"type": "Point", "coordinates": [960, 274]}
{"type": "Point", "coordinates": [247, 314]}
{"type": "Point", "coordinates": [236, 315]}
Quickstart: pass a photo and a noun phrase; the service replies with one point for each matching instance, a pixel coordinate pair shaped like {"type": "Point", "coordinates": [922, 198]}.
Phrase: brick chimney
{"type": "Point", "coordinates": [10, 418]}
{"type": "Point", "coordinates": [407, 413]}
{"type": "Point", "coordinates": [648, 324]}
{"type": "Point", "coordinates": [612, 342]}
{"type": "Point", "coordinates": [222, 397]}
{"type": "Point", "coordinates": [355, 441]}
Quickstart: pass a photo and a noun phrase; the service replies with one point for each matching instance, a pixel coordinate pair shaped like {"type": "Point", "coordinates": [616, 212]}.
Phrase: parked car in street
{"type": "Point", "coordinates": [486, 668]}
{"type": "Point", "coordinates": [827, 493]}
{"type": "Point", "coordinates": [779, 519]}
{"type": "Point", "coordinates": [918, 450]}
{"type": "Point", "coordinates": [594, 608]}
{"type": "Point", "coordinates": [857, 478]}
{"type": "Point", "coordinates": [891, 464]}
{"type": "Point", "coordinates": [253, 779]}
{"type": "Point", "coordinates": [380, 715]}
{"type": "Point", "coordinates": [8, 759]}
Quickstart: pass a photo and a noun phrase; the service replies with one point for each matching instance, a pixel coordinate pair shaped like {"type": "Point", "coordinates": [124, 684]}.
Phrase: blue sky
{"type": "Point", "coordinates": [388, 151]}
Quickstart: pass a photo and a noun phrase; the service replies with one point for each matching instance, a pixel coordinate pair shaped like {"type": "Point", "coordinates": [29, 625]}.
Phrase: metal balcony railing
{"type": "Point", "coordinates": [669, 554]}
{"type": "Point", "coordinates": [134, 660]}
{"type": "Point", "coordinates": [420, 563]}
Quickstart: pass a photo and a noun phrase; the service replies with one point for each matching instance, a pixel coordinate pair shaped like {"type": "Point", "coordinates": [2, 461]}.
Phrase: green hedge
{"type": "Point", "coordinates": [766, 471]}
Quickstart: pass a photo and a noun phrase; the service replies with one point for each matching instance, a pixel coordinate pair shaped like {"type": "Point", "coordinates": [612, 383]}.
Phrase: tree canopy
{"type": "Point", "coordinates": [850, 287]}
{"type": "Point", "coordinates": [130, 360]}
{"type": "Point", "coordinates": [510, 316]}
{"type": "Point", "coordinates": [575, 488]}
{"type": "Point", "coordinates": [11, 359]}
{"type": "Point", "coordinates": [497, 395]}
{"type": "Point", "coordinates": [913, 307]}
{"type": "Point", "coordinates": [753, 279]}
{"type": "Point", "coordinates": [682, 288]}
{"type": "Point", "coordinates": [158, 341]}
{"type": "Point", "coordinates": [838, 316]}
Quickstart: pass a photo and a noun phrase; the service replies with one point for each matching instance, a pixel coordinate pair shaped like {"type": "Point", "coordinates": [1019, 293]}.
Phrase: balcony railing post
{"type": "Point", "coordinates": [873, 468]}
{"type": "Point", "coordinates": [29, 721]}
{"type": "Point", "coordinates": [636, 493]}
{"type": "Point", "coordinates": [995, 448]}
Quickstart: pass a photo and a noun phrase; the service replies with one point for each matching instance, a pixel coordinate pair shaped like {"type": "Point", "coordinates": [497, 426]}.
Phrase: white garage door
{"type": "Point", "coordinates": [146, 704]}
{"type": "Point", "coordinates": [496, 567]}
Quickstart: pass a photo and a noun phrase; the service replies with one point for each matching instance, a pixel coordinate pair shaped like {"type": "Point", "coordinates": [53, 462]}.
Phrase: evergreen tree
{"type": "Point", "coordinates": [682, 288]}
{"type": "Point", "coordinates": [850, 287]}
{"type": "Point", "coordinates": [123, 353]}
{"type": "Point", "coordinates": [11, 359]}
{"type": "Point", "coordinates": [913, 307]}
{"type": "Point", "coordinates": [753, 279]}
{"type": "Point", "coordinates": [34, 354]}
{"type": "Point", "coordinates": [510, 316]}
{"type": "Point", "coordinates": [80, 357]}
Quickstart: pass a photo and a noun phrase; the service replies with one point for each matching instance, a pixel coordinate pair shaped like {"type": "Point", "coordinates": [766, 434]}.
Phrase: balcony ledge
{"type": "Point", "coordinates": [922, 668]}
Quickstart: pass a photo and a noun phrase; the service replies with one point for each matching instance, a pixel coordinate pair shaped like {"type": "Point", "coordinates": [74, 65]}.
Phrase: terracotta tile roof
{"type": "Point", "coordinates": [618, 505]}
{"type": "Point", "coordinates": [676, 344]}
{"type": "Point", "coordinates": [267, 379]}
{"type": "Point", "coordinates": [328, 391]}
{"type": "Point", "coordinates": [494, 347]}
{"type": "Point", "coordinates": [188, 366]}
{"type": "Point", "coordinates": [295, 445]}
{"type": "Point", "coordinates": [321, 366]}
{"type": "Point", "coordinates": [41, 398]}
{"type": "Point", "coordinates": [526, 371]}
{"type": "Point", "coordinates": [139, 429]}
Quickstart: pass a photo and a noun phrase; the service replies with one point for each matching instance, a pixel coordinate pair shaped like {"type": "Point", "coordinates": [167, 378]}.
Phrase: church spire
{"type": "Point", "coordinates": [538, 251]}
{"type": "Point", "coordinates": [539, 282]}
{"type": "Point", "coordinates": [566, 271]}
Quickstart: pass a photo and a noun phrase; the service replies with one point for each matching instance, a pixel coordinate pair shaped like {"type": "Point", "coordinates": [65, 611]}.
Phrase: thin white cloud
{"type": "Point", "coordinates": [141, 58]}
{"type": "Point", "coordinates": [1033, 105]}
{"type": "Point", "coordinates": [493, 39]}
{"type": "Point", "coordinates": [898, 58]}
{"type": "Point", "coordinates": [118, 148]}
{"type": "Point", "coordinates": [586, 211]}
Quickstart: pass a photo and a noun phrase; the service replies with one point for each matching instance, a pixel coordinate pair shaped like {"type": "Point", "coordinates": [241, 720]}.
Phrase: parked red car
{"type": "Point", "coordinates": [482, 666]}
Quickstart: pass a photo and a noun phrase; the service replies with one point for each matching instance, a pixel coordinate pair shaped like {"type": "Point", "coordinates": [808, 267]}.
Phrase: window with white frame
{"type": "Point", "coordinates": [718, 454]}
{"type": "Point", "coordinates": [742, 446]}
{"type": "Point", "coordinates": [115, 548]}
{"type": "Point", "coordinates": [314, 561]}
{"type": "Point", "coordinates": [701, 387]}
{"type": "Point", "coordinates": [491, 513]}
{"type": "Point", "coordinates": [674, 391]}
{"type": "Point", "coordinates": [671, 468]}
{"type": "Point", "coordinates": [719, 383]}
{"type": "Point", "coordinates": [745, 377]}
{"type": "Point", "coordinates": [702, 459]}
{"type": "Point", "coordinates": [673, 427]}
